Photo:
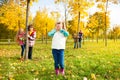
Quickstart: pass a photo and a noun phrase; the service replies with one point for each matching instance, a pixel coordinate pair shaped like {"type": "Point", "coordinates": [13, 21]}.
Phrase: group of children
{"type": "Point", "coordinates": [77, 39]}
{"type": "Point", "coordinates": [59, 34]}
{"type": "Point", "coordinates": [21, 39]}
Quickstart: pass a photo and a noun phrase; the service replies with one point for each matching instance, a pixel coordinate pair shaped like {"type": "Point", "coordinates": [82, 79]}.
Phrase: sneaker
{"type": "Point", "coordinates": [62, 71]}
{"type": "Point", "coordinates": [57, 71]}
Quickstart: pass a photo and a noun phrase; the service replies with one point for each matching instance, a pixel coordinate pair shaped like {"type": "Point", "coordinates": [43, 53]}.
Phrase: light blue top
{"type": "Point", "coordinates": [64, 32]}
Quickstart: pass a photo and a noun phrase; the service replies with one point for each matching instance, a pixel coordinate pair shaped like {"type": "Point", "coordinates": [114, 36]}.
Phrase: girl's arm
{"type": "Point", "coordinates": [64, 32]}
{"type": "Point", "coordinates": [32, 37]}
{"type": "Point", "coordinates": [51, 33]}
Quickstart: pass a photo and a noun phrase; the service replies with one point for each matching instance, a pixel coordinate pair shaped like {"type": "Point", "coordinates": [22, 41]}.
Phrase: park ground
{"type": "Point", "coordinates": [93, 61]}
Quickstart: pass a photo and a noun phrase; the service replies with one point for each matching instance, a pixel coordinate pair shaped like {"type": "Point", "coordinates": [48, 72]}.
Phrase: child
{"type": "Point", "coordinates": [80, 38]}
{"type": "Point", "coordinates": [59, 35]}
{"type": "Point", "coordinates": [31, 40]}
{"type": "Point", "coordinates": [76, 38]}
{"type": "Point", "coordinates": [21, 40]}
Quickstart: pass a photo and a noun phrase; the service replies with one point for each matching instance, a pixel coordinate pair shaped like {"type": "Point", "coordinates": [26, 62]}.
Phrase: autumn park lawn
{"type": "Point", "coordinates": [93, 61]}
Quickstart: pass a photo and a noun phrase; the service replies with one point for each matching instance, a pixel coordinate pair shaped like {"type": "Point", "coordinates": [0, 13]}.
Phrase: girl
{"type": "Point", "coordinates": [75, 37]}
{"type": "Point", "coordinates": [21, 40]}
{"type": "Point", "coordinates": [59, 35]}
{"type": "Point", "coordinates": [31, 40]}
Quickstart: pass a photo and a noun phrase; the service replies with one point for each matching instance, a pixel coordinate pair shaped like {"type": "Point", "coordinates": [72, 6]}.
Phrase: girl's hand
{"type": "Point", "coordinates": [64, 27]}
{"type": "Point", "coordinates": [28, 35]}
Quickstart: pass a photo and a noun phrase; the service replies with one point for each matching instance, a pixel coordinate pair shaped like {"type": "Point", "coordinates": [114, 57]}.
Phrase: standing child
{"type": "Point", "coordinates": [80, 38]}
{"type": "Point", "coordinates": [31, 40]}
{"type": "Point", "coordinates": [75, 37]}
{"type": "Point", "coordinates": [21, 40]}
{"type": "Point", "coordinates": [59, 35]}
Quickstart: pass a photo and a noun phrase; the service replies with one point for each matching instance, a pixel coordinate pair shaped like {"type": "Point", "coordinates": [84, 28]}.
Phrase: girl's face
{"type": "Point", "coordinates": [21, 30]}
{"type": "Point", "coordinates": [31, 29]}
{"type": "Point", "coordinates": [59, 26]}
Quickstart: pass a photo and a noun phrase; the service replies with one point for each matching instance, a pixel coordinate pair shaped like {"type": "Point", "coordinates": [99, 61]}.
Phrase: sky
{"type": "Point", "coordinates": [49, 4]}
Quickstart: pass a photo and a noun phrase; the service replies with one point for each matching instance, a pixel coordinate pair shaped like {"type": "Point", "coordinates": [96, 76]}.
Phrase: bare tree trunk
{"type": "Point", "coordinates": [106, 24]}
{"type": "Point", "coordinates": [46, 35]}
{"type": "Point", "coordinates": [116, 37]}
{"type": "Point", "coordinates": [27, 14]}
{"type": "Point", "coordinates": [65, 14]}
{"type": "Point", "coordinates": [78, 24]}
{"type": "Point", "coordinates": [42, 37]}
{"type": "Point", "coordinates": [98, 35]}
{"type": "Point", "coordinates": [92, 36]}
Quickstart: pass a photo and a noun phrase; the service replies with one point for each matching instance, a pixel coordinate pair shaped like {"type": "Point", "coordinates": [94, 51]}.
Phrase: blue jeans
{"type": "Point", "coordinates": [58, 56]}
{"type": "Point", "coordinates": [23, 48]}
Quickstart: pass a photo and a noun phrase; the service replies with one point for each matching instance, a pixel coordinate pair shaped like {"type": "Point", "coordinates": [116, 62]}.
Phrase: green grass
{"type": "Point", "coordinates": [92, 58]}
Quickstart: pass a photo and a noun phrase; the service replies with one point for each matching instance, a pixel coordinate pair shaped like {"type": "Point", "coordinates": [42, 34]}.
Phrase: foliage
{"type": "Point", "coordinates": [12, 17]}
{"type": "Point", "coordinates": [10, 14]}
{"type": "Point", "coordinates": [42, 22]}
{"type": "Point", "coordinates": [96, 23]}
{"type": "Point", "coordinates": [115, 32]}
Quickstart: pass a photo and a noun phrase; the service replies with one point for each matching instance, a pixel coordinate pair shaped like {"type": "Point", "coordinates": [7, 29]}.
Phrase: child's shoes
{"type": "Point", "coordinates": [57, 71]}
{"type": "Point", "coordinates": [62, 71]}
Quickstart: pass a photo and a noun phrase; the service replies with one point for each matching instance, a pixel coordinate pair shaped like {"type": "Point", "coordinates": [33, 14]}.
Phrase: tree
{"type": "Point", "coordinates": [43, 21]}
{"type": "Point", "coordinates": [104, 7]}
{"type": "Point", "coordinates": [79, 10]}
{"type": "Point", "coordinates": [96, 23]}
{"type": "Point", "coordinates": [9, 17]}
{"type": "Point", "coordinates": [27, 15]}
{"type": "Point", "coordinates": [114, 33]}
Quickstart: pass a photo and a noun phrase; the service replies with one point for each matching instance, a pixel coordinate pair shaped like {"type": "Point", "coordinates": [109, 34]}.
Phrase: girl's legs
{"type": "Point", "coordinates": [56, 61]}
{"type": "Point", "coordinates": [22, 52]}
{"type": "Point", "coordinates": [74, 44]}
{"type": "Point", "coordinates": [61, 60]}
{"type": "Point", "coordinates": [30, 53]}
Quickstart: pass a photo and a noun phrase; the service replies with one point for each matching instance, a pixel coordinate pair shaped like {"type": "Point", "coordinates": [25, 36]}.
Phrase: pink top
{"type": "Point", "coordinates": [21, 39]}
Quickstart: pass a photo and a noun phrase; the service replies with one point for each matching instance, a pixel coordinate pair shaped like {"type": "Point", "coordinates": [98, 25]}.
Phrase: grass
{"type": "Point", "coordinates": [93, 61]}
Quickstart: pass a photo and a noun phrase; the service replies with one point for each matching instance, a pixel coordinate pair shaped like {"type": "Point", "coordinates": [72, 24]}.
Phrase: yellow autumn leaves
{"type": "Point", "coordinates": [10, 14]}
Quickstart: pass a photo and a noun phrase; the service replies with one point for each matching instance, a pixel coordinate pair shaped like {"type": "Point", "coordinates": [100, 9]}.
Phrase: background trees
{"type": "Point", "coordinates": [13, 16]}
{"type": "Point", "coordinates": [42, 22]}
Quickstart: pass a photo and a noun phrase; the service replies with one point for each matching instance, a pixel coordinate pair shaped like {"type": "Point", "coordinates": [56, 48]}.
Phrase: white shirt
{"type": "Point", "coordinates": [58, 41]}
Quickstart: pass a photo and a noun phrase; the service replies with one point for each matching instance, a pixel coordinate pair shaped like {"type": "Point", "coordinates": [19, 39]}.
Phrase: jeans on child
{"type": "Point", "coordinates": [23, 48]}
{"type": "Point", "coordinates": [58, 55]}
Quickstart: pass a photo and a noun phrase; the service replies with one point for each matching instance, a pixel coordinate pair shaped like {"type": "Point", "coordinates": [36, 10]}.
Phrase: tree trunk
{"type": "Point", "coordinates": [106, 24]}
{"type": "Point", "coordinates": [27, 14]}
{"type": "Point", "coordinates": [92, 36]}
{"type": "Point", "coordinates": [97, 37]}
{"type": "Point", "coordinates": [46, 35]}
{"type": "Point", "coordinates": [42, 37]}
{"type": "Point", "coordinates": [78, 23]}
{"type": "Point", "coordinates": [65, 16]}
